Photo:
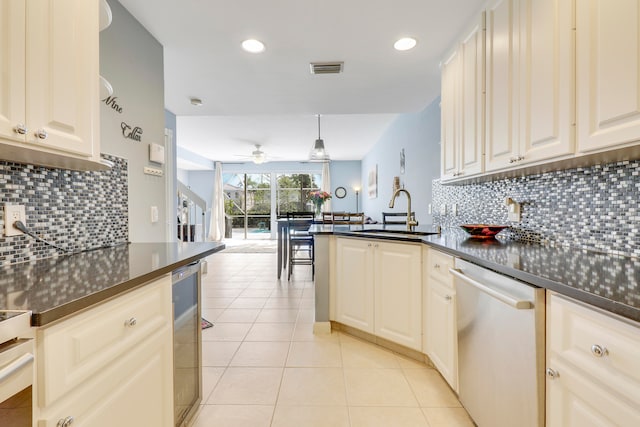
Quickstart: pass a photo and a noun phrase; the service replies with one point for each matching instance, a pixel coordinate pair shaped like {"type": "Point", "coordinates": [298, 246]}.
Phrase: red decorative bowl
{"type": "Point", "coordinates": [483, 231]}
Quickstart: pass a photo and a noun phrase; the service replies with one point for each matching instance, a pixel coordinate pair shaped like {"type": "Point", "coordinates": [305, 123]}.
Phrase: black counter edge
{"type": "Point", "coordinates": [57, 313]}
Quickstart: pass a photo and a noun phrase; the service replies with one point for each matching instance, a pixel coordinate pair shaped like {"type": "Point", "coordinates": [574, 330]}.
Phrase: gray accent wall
{"type": "Point", "coordinates": [131, 59]}
{"type": "Point", "coordinates": [419, 135]}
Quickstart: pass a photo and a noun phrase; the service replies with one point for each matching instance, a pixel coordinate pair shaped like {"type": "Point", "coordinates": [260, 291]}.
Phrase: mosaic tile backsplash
{"type": "Point", "coordinates": [72, 209]}
{"type": "Point", "coordinates": [595, 208]}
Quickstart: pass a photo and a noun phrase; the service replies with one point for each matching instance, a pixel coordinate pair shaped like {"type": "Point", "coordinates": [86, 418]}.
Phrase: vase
{"type": "Point", "coordinates": [318, 208]}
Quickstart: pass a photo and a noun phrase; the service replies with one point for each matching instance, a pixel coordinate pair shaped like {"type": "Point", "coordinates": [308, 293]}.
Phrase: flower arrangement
{"type": "Point", "coordinates": [318, 198]}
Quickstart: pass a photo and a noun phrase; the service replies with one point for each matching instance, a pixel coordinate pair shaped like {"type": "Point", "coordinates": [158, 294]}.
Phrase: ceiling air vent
{"type": "Point", "coordinates": [326, 67]}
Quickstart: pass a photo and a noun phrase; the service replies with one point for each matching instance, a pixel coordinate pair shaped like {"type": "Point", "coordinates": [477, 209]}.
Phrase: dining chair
{"type": "Point", "coordinates": [300, 242]}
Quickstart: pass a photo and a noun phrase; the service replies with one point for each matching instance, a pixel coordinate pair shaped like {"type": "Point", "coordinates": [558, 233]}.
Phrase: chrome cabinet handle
{"type": "Point", "coordinates": [20, 129]}
{"type": "Point", "coordinates": [552, 373]}
{"type": "Point", "coordinates": [15, 366]}
{"type": "Point", "coordinates": [131, 322]}
{"type": "Point", "coordinates": [42, 134]}
{"type": "Point", "coordinates": [65, 422]}
{"type": "Point", "coordinates": [599, 351]}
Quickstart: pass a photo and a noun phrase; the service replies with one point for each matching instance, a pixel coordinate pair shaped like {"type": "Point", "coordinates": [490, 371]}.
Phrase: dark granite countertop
{"type": "Point", "coordinates": [607, 281]}
{"type": "Point", "coordinates": [56, 287]}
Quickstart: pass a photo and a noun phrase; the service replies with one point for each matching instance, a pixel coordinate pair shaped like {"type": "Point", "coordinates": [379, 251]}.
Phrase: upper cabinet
{"type": "Point", "coordinates": [607, 73]}
{"type": "Point", "coordinates": [49, 96]}
{"type": "Point", "coordinates": [561, 85]}
{"type": "Point", "coordinates": [462, 106]}
{"type": "Point", "coordinates": [530, 115]}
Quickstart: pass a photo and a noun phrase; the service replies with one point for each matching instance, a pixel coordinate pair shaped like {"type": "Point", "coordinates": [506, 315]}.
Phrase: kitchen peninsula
{"type": "Point", "coordinates": [104, 327]}
{"type": "Point", "coordinates": [56, 287]}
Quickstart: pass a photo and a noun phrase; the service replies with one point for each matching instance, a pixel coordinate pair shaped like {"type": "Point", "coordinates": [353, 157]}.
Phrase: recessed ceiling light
{"type": "Point", "coordinates": [196, 101]}
{"type": "Point", "coordinates": [405, 43]}
{"type": "Point", "coordinates": [253, 46]}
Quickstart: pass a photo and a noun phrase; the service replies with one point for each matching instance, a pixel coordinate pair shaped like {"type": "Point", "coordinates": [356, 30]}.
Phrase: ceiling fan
{"type": "Point", "coordinates": [257, 156]}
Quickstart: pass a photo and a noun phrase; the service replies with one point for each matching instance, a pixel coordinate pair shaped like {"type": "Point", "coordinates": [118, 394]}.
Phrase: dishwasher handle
{"type": "Point", "coordinates": [513, 302]}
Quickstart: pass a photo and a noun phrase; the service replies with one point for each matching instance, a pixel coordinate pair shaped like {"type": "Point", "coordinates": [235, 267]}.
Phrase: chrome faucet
{"type": "Point", "coordinates": [410, 221]}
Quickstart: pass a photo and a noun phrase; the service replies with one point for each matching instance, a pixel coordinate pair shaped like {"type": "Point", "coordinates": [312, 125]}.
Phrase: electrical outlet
{"type": "Point", "coordinates": [443, 210]}
{"type": "Point", "coordinates": [454, 209]}
{"type": "Point", "coordinates": [13, 213]}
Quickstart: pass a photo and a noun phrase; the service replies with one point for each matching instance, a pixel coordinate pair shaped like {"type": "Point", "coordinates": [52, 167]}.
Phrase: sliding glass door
{"type": "Point", "coordinates": [251, 207]}
{"type": "Point", "coordinates": [248, 205]}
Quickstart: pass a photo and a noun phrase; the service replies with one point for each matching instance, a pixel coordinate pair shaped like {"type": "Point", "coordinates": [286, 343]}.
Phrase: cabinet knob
{"type": "Point", "coordinates": [599, 351]}
{"type": "Point", "coordinates": [368, 245]}
{"type": "Point", "coordinates": [42, 134]}
{"type": "Point", "coordinates": [436, 265]}
{"type": "Point", "coordinates": [519, 158]}
{"type": "Point", "coordinates": [447, 297]}
{"type": "Point", "coordinates": [65, 422]}
{"type": "Point", "coordinates": [552, 373]}
{"type": "Point", "coordinates": [131, 322]}
{"type": "Point", "coordinates": [20, 129]}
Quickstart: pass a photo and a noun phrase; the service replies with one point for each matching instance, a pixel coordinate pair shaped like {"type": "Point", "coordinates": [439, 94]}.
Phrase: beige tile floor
{"type": "Point", "coordinates": [263, 366]}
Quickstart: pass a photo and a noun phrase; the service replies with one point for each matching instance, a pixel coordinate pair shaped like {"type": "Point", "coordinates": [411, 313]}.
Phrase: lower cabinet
{"type": "Point", "coordinates": [593, 367]}
{"type": "Point", "coordinates": [378, 289]}
{"type": "Point", "coordinates": [440, 333]}
{"type": "Point", "coordinates": [109, 365]}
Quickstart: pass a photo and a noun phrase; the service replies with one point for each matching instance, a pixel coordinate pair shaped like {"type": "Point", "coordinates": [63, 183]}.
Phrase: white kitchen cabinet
{"type": "Point", "coordinates": [593, 368]}
{"type": "Point", "coordinates": [440, 333]}
{"type": "Point", "coordinates": [462, 106]}
{"type": "Point", "coordinates": [607, 73]}
{"type": "Point", "coordinates": [378, 289]}
{"type": "Point", "coordinates": [111, 364]}
{"type": "Point", "coordinates": [49, 112]}
{"type": "Point", "coordinates": [354, 283]}
{"type": "Point", "coordinates": [449, 104]}
{"type": "Point", "coordinates": [529, 83]}
{"type": "Point", "coordinates": [398, 293]}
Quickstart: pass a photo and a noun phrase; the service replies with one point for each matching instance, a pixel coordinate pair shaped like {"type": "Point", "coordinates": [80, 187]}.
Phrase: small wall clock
{"type": "Point", "coordinates": [340, 192]}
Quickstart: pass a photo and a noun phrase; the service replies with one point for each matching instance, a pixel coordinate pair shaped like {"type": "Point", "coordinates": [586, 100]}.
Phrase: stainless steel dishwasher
{"type": "Point", "coordinates": [500, 324]}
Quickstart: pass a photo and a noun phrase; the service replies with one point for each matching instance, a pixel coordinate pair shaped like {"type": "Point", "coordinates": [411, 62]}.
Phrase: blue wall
{"type": "Point", "coordinates": [419, 135]}
{"type": "Point", "coordinates": [346, 174]}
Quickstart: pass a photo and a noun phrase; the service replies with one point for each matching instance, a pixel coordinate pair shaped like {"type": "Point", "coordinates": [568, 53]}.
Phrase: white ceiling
{"type": "Point", "coordinates": [271, 98]}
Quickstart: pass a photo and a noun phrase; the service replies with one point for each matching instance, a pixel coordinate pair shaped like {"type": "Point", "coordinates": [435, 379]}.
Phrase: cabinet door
{"type": "Point", "coordinates": [62, 95]}
{"type": "Point", "coordinates": [449, 121]}
{"type": "Point", "coordinates": [502, 85]}
{"type": "Point", "coordinates": [138, 391]}
{"type": "Point", "coordinates": [354, 284]}
{"type": "Point", "coordinates": [441, 339]}
{"type": "Point", "coordinates": [12, 69]}
{"type": "Point", "coordinates": [471, 109]}
{"type": "Point", "coordinates": [546, 79]}
{"type": "Point", "coordinates": [574, 400]}
{"type": "Point", "coordinates": [398, 293]}
{"type": "Point", "coordinates": [608, 73]}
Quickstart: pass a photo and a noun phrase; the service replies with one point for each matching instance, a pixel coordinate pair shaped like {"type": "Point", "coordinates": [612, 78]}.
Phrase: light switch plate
{"type": "Point", "coordinates": [154, 214]}
{"type": "Point", "coordinates": [153, 171]}
{"type": "Point", "coordinates": [443, 210]}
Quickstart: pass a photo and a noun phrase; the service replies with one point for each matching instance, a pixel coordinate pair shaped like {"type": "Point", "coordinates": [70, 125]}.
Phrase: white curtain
{"type": "Point", "coordinates": [326, 185]}
{"type": "Point", "coordinates": [216, 229]}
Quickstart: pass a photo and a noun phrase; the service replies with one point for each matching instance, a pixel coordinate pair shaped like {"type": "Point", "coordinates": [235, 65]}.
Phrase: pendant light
{"type": "Point", "coordinates": [318, 151]}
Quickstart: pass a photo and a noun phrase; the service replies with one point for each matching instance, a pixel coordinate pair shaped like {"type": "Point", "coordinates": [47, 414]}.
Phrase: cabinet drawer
{"type": "Point", "coordinates": [72, 351]}
{"type": "Point", "coordinates": [604, 347]}
{"type": "Point", "coordinates": [438, 266]}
